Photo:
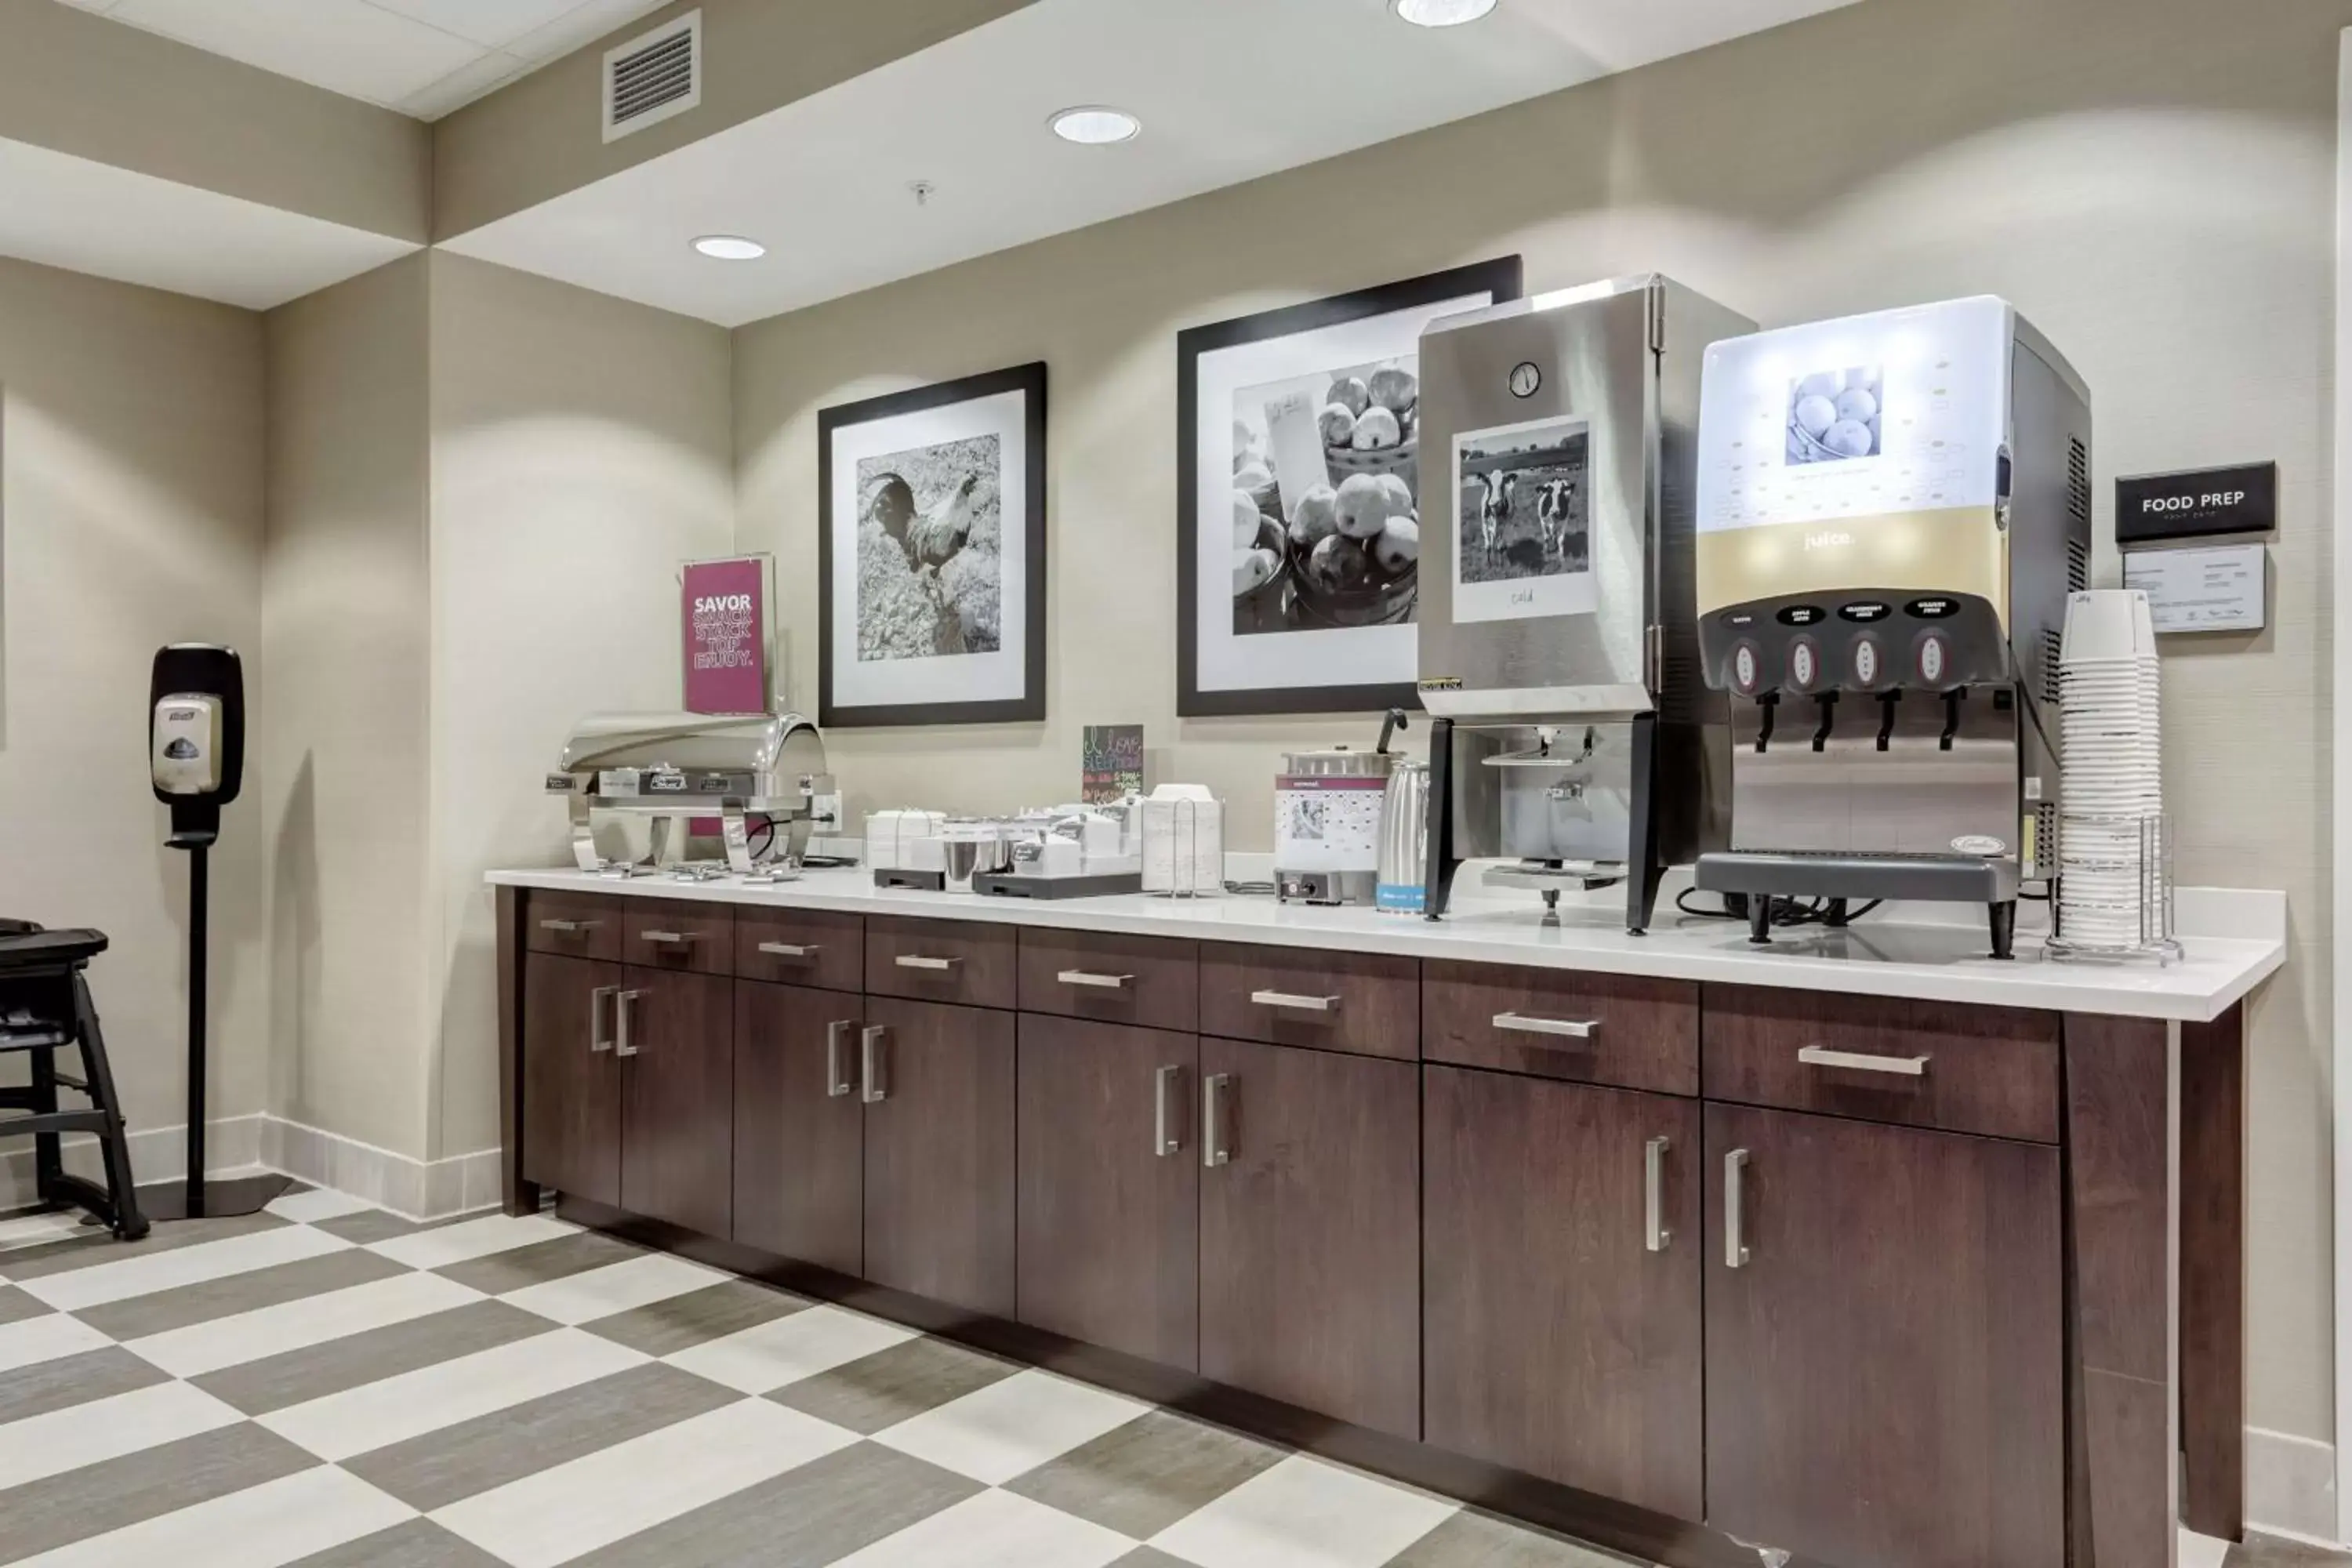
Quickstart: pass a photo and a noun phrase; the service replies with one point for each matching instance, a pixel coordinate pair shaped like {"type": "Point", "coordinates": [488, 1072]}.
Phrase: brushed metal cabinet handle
{"type": "Point", "coordinates": [569, 928]}
{"type": "Point", "coordinates": [790, 950]}
{"type": "Point", "coordinates": [1855, 1061]}
{"type": "Point", "coordinates": [1165, 1139]}
{"type": "Point", "coordinates": [600, 1037]}
{"type": "Point", "coordinates": [1214, 1151]}
{"type": "Point", "coordinates": [1573, 1028]}
{"type": "Point", "coordinates": [918, 961]}
{"type": "Point", "coordinates": [1655, 1236]}
{"type": "Point", "coordinates": [625, 1038]}
{"type": "Point", "coordinates": [1295, 1003]}
{"type": "Point", "coordinates": [837, 1081]}
{"type": "Point", "coordinates": [873, 1063]}
{"type": "Point", "coordinates": [1735, 1219]}
{"type": "Point", "coordinates": [671, 937]}
{"type": "Point", "coordinates": [1099, 981]}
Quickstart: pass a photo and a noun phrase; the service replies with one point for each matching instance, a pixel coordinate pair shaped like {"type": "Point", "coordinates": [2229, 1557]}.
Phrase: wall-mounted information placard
{"type": "Point", "coordinates": [2215, 590]}
{"type": "Point", "coordinates": [2197, 504]}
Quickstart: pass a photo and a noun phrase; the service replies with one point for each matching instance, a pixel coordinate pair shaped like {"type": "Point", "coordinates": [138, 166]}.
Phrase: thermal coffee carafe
{"type": "Point", "coordinates": [1892, 509]}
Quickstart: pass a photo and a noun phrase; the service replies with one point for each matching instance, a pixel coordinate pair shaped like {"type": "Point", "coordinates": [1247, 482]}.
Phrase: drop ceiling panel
{"type": "Point", "coordinates": [345, 46]}
{"type": "Point", "coordinates": [490, 22]}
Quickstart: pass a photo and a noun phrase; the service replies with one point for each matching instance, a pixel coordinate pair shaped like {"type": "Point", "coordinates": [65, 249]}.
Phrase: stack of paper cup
{"type": "Point", "coordinates": [2111, 853]}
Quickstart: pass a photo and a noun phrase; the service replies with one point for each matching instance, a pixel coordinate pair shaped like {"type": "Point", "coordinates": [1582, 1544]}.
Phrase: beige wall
{"type": "Point", "coordinates": [581, 450]}
{"type": "Point", "coordinates": [341, 737]}
{"type": "Point", "coordinates": [2150, 179]}
{"type": "Point", "coordinates": [131, 516]}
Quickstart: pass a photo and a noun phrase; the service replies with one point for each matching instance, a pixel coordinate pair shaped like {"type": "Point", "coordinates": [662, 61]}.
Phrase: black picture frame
{"type": "Point", "coordinates": [1501, 278]}
{"type": "Point", "coordinates": [1030, 380]}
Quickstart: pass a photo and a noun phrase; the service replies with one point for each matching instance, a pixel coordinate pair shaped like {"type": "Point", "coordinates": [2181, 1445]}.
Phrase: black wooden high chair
{"type": "Point", "coordinates": [45, 1008]}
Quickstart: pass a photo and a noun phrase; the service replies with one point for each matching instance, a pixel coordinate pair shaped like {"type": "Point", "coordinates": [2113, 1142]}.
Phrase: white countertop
{"type": "Point", "coordinates": [1938, 962]}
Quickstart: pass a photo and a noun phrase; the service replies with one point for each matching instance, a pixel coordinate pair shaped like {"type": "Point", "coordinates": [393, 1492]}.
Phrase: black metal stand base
{"type": "Point", "coordinates": [215, 1200]}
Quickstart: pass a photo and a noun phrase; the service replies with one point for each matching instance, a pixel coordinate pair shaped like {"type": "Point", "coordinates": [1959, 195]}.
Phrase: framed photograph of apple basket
{"type": "Point", "coordinates": [1299, 482]}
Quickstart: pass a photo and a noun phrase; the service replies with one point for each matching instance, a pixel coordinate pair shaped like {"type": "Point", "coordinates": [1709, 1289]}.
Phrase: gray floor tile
{"type": "Point", "coordinates": [276, 1382]}
{"type": "Point", "coordinates": [1480, 1540]}
{"type": "Point", "coordinates": [697, 1316]}
{"type": "Point", "coordinates": [45, 1386]}
{"type": "Point", "coordinates": [376, 1225]}
{"type": "Point", "coordinates": [81, 1252]}
{"type": "Point", "coordinates": [1147, 1557]}
{"type": "Point", "coordinates": [46, 1515]}
{"type": "Point", "coordinates": [440, 1467]}
{"type": "Point", "coordinates": [2260, 1551]}
{"type": "Point", "coordinates": [1143, 1477]}
{"type": "Point", "coordinates": [804, 1518]}
{"type": "Point", "coordinates": [165, 1309]}
{"type": "Point", "coordinates": [15, 1306]}
{"type": "Point", "coordinates": [881, 1390]}
{"type": "Point", "coordinates": [419, 1543]}
{"type": "Point", "coordinates": [539, 1262]}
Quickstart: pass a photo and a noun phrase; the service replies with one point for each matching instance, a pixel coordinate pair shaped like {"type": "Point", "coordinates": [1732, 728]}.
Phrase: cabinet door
{"type": "Point", "coordinates": [676, 1042]}
{"type": "Point", "coordinates": [1883, 1342]}
{"type": "Point", "coordinates": [800, 1128]}
{"type": "Point", "coordinates": [1310, 1229]}
{"type": "Point", "coordinates": [571, 1082]}
{"type": "Point", "coordinates": [1561, 1281]}
{"type": "Point", "coordinates": [938, 1089]}
{"type": "Point", "coordinates": [1109, 1186]}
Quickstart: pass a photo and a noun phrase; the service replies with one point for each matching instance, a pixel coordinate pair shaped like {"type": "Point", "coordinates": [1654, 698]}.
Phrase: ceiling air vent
{"type": "Point", "coordinates": [652, 77]}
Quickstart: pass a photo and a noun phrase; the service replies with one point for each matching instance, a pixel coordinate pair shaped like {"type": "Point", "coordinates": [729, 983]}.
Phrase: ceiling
{"type": "Point", "coordinates": [1228, 91]}
{"type": "Point", "coordinates": [423, 58]}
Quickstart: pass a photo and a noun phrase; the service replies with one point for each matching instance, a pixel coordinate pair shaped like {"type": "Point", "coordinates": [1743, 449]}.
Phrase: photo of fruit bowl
{"type": "Point", "coordinates": [1835, 415]}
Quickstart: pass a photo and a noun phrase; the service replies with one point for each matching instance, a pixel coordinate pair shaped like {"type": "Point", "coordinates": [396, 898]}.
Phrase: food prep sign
{"type": "Point", "coordinates": [2197, 504]}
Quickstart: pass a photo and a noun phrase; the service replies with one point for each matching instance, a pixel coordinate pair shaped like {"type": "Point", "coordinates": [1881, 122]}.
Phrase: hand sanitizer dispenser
{"type": "Point", "coordinates": [195, 735]}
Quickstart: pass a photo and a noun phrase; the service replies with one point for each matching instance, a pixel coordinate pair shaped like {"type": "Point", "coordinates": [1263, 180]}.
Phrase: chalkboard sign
{"type": "Point", "coordinates": [2199, 504]}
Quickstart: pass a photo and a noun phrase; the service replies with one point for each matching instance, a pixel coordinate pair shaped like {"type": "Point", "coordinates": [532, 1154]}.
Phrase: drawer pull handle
{"type": "Point", "coordinates": [1099, 981]}
{"type": "Point", "coordinates": [872, 1039]}
{"type": "Point", "coordinates": [1214, 1151]}
{"type": "Point", "coordinates": [1735, 1219]}
{"type": "Point", "coordinates": [625, 1042]}
{"type": "Point", "coordinates": [1165, 1139]}
{"type": "Point", "coordinates": [600, 1037]}
{"type": "Point", "coordinates": [569, 928]}
{"type": "Point", "coordinates": [1653, 1193]}
{"type": "Point", "coordinates": [1854, 1061]}
{"type": "Point", "coordinates": [790, 950]}
{"type": "Point", "coordinates": [837, 1083]}
{"type": "Point", "coordinates": [1296, 1004]}
{"type": "Point", "coordinates": [916, 961]}
{"type": "Point", "coordinates": [1572, 1028]}
{"type": "Point", "coordinates": [672, 938]}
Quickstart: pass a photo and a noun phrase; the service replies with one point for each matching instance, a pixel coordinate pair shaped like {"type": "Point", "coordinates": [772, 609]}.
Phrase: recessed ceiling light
{"type": "Point", "coordinates": [1442, 13]}
{"type": "Point", "coordinates": [1094, 126]}
{"type": "Point", "coordinates": [731, 248]}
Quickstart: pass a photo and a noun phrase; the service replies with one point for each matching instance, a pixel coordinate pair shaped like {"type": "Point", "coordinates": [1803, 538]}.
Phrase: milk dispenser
{"type": "Point", "coordinates": [1892, 509]}
{"type": "Point", "coordinates": [1572, 735]}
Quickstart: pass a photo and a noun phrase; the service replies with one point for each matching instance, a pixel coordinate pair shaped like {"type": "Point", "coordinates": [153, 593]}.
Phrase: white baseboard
{"type": "Point", "coordinates": [2291, 1485]}
{"type": "Point", "coordinates": [240, 1145]}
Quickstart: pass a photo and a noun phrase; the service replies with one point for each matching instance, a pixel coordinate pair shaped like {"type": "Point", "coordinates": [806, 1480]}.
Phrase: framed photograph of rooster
{"type": "Point", "coordinates": [1299, 510]}
{"type": "Point", "coordinates": [931, 555]}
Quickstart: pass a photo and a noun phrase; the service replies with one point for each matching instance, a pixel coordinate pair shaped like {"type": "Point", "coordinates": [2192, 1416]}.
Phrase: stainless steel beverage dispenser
{"type": "Point", "coordinates": [1572, 733]}
{"type": "Point", "coordinates": [1893, 509]}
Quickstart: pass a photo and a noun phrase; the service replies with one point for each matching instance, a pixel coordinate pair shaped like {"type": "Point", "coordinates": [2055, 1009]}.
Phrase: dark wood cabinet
{"type": "Point", "coordinates": [1562, 1323]}
{"type": "Point", "coordinates": [938, 1082]}
{"type": "Point", "coordinates": [570, 1079]}
{"type": "Point", "coordinates": [1884, 1343]}
{"type": "Point", "coordinates": [1109, 1186]}
{"type": "Point", "coordinates": [676, 1039]}
{"type": "Point", "coordinates": [799, 1126]}
{"type": "Point", "coordinates": [1310, 1229]}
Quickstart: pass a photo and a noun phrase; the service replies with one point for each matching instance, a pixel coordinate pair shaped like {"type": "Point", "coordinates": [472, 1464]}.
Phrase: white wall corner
{"type": "Point", "coordinates": [2340, 842]}
{"type": "Point", "coordinates": [2291, 1485]}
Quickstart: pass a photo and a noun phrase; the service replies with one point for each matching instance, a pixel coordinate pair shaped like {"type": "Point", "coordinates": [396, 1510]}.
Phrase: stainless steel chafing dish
{"type": "Point", "coordinates": [673, 766]}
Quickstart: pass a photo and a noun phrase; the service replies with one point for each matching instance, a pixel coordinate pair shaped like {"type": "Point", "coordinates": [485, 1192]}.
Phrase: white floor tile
{"type": "Point", "coordinates": [1013, 1427]}
{"type": "Point", "coordinates": [358, 1420]}
{"type": "Point", "coordinates": [40, 1229]}
{"type": "Point", "coordinates": [615, 1288]}
{"type": "Point", "coordinates": [61, 1440]}
{"type": "Point", "coordinates": [146, 1273]}
{"type": "Point", "coordinates": [472, 1238]}
{"type": "Point", "coordinates": [278, 1523]}
{"type": "Point", "coordinates": [1302, 1513]}
{"type": "Point", "coordinates": [762, 1360]}
{"type": "Point", "coordinates": [557, 1514]}
{"type": "Point", "coordinates": [46, 1338]}
{"type": "Point", "coordinates": [996, 1530]}
{"type": "Point", "coordinates": [200, 1348]}
{"type": "Point", "coordinates": [2202, 1550]}
{"type": "Point", "coordinates": [318, 1203]}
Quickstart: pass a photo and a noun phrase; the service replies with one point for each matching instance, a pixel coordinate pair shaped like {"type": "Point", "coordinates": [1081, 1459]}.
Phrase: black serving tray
{"type": "Point", "coordinates": [1006, 885]}
{"type": "Point", "coordinates": [922, 881]}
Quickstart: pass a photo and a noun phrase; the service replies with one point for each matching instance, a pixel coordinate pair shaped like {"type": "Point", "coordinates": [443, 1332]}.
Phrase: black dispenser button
{"type": "Point", "coordinates": [1864, 612]}
{"type": "Point", "coordinates": [1801, 616]}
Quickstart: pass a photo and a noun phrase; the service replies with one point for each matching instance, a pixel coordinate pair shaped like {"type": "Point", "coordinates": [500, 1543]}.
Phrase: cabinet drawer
{"type": "Point", "coordinates": [1362, 1001]}
{"type": "Point", "coordinates": [584, 925]}
{"type": "Point", "coordinates": [800, 947]}
{"type": "Point", "coordinates": [1625, 1030]}
{"type": "Point", "coordinates": [1992, 1071]}
{"type": "Point", "coordinates": [679, 934]}
{"type": "Point", "coordinates": [1144, 980]}
{"type": "Point", "coordinates": [943, 961]}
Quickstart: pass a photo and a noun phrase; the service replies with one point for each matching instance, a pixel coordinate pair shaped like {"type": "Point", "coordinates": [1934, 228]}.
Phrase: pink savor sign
{"type": "Point", "coordinates": [724, 605]}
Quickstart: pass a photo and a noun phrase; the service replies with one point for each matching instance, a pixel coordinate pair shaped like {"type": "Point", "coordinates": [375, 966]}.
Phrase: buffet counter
{"type": "Point", "coordinates": [1663, 1241]}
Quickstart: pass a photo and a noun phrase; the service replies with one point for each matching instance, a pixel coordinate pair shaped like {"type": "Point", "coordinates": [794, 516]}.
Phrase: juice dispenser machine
{"type": "Point", "coordinates": [1573, 734]}
{"type": "Point", "coordinates": [1892, 509]}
